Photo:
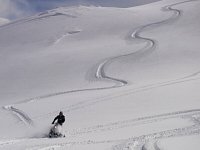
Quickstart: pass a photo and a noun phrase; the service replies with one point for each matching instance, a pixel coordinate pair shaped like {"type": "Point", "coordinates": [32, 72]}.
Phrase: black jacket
{"type": "Point", "coordinates": [60, 119]}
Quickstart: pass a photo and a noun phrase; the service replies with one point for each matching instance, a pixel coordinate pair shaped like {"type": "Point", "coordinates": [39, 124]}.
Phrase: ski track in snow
{"type": "Point", "coordinates": [88, 103]}
{"type": "Point", "coordinates": [129, 143]}
{"type": "Point", "coordinates": [156, 146]}
{"type": "Point", "coordinates": [100, 73]}
{"type": "Point", "coordinates": [140, 142]}
{"type": "Point", "coordinates": [138, 121]}
{"type": "Point", "coordinates": [195, 129]}
{"type": "Point", "coordinates": [20, 114]}
{"type": "Point", "coordinates": [151, 146]}
{"type": "Point", "coordinates": [150, 46]}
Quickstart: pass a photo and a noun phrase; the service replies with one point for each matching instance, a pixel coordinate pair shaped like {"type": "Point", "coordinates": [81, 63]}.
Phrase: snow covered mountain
{"type": "Point", "coordinates": [126, 78]}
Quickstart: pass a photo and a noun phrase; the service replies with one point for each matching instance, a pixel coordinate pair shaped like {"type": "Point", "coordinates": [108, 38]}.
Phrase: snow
{"type": "Point", "coordinates": [3, 21]}
{"type": "Point", "coordinates": [125, 78]}
{"type": "Point", "coordinates": [183, 143]}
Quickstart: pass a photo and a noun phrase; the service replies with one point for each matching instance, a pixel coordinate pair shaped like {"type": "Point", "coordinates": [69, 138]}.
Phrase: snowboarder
{"type": "Point", "coordinates": [56, 130]}
{"type": "Point", "coordinates": [60, 118]}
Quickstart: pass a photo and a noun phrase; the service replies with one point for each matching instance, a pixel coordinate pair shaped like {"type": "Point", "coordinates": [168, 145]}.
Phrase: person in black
{"type": "Point", "coordinates": [60, 119]}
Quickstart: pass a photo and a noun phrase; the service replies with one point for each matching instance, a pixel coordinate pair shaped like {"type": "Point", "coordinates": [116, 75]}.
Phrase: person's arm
{"type": "Point", "coordinates": [55, 120]}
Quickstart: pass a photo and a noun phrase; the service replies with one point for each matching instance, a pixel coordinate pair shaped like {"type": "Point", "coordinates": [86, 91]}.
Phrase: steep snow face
{"type": "Point", "coordinates": [126, 78]}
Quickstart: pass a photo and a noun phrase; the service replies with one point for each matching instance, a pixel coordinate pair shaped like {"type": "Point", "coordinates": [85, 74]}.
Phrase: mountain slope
{"type": "Point", "coordinates": [124, 77]}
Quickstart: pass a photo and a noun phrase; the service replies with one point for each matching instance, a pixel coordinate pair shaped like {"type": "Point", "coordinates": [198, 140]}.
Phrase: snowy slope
{"type": "Point", "coordinates": [126, 78]}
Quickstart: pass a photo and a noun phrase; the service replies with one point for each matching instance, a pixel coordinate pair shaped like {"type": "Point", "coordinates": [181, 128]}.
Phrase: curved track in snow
{"type": "Point", "coordinates": [143, 140]}
{"type": "Point", "coordinates": [100, 71]}
{"type": "Point", "coordinates": [20, 114]}
{"type": "Point", "coordinates": [101, 75]}
{"type": "Point", "coordinates": [88, 103]}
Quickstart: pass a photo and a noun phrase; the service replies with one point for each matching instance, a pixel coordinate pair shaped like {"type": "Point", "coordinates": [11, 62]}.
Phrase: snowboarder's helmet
{"type": "Point", "coordinates": [61, 113]}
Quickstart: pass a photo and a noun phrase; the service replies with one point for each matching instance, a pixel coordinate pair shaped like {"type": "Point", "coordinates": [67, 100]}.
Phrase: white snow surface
{"type": "Point", "coordinates": [125, 78]}
{"type": "Point", "coordinates": [3, 21]}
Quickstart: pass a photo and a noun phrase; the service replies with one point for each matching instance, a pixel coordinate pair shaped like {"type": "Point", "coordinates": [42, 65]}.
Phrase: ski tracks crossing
{"type": "Point", "coordinates": [150, 46]}
{"type": "Point", "coordinates": [143, 142]}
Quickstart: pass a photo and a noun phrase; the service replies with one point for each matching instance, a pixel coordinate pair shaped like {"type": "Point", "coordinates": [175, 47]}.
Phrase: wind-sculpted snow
{"type": "Point", "coordinates": [58, 39]}
{"type": "Point", "coordinates": [41, 16]}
